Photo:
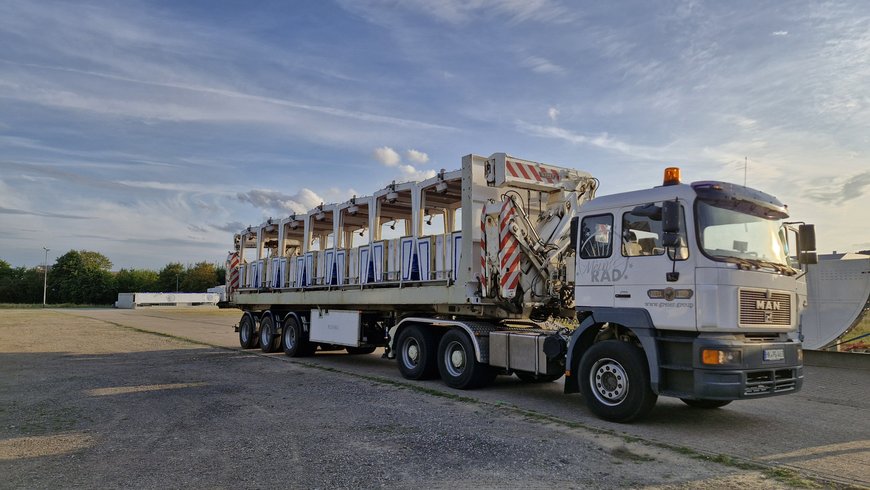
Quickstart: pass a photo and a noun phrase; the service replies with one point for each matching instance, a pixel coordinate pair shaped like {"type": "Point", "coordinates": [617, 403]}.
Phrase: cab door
{"type": "Point", "coordinates": [593, 284]}
{"type": "Point", "coordinates": [651, 279]}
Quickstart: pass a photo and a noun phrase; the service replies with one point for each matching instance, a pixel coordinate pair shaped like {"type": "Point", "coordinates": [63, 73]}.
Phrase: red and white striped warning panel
{"type": "Point", "coordinates": [509, 253]}
{"type": "Point", "coordinates": [534, 172]}
{"type": "Point", "coordinates": [505, 169]}
{"type": "Point", "coordinates": [233, 271]}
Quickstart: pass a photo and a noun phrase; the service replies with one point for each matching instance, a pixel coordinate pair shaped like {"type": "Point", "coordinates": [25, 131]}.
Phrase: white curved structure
{"type": "Point", "coordinates": [838, 292]}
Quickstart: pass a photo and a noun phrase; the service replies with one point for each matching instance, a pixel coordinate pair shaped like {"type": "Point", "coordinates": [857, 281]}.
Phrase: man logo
{"type": "Point", "coordinates": [762, 304]}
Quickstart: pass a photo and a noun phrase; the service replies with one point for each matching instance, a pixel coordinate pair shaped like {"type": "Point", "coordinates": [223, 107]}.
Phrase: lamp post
{"type": "Point", "coordinates": [44, 276]}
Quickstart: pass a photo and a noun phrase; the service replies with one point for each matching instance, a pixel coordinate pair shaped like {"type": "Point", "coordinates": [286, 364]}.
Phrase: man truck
{"type": "Point", "coordinates": [510, 266]}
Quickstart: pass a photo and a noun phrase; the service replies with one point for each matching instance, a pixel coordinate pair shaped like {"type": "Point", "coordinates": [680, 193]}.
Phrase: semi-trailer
{"type": "Point", "coordinates": [510, 266]}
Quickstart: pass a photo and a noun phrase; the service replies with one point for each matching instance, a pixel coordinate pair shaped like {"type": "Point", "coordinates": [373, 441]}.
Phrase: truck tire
{"type": "Point", "coordinates": [458, 365]}
{"type": "Point", "coordinates": [418, 349]}
{"type": "Point", "coordinates": [248, 338]}
{"type": "Point", "coordinates": [614, 380]}
{"type": "Point", "coordinates": [269, 340]}
{"type": "Point", "coordinates": [537, 378]}
{"type": "Point", "coordinates": [295, 343]}
{"type": "Point", "coordinates": [704, 403]}
{"type": "Point", "coordinates": [354, 351]}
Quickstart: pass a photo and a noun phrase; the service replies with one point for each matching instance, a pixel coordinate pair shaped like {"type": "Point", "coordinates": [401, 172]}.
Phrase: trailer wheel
{"type": "Point", "coordinates": [705, 403]}
{"type": "Point", "coordinates": [537, 378]}
{"type": "Point", "coordinates": [359, 350]}
{"type": "Point", "coordinates": [418, 348]}
{"type": "Point", "coordinates": [295, 343]}
{"type": "Point", "coordinates": [457, 363]}
{"type": "Point", "coordinates": [614, 380]}
{"type": "Point", "coordinates": [269, 340]}
{"type": "Point", "coordinates": [248, 338]}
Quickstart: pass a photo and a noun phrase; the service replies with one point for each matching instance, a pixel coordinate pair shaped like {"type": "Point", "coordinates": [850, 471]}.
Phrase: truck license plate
{"type": "Point", "coordinates": [774, 354]}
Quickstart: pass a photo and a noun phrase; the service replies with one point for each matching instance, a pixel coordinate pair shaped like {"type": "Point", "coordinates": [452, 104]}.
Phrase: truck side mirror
{"type": "Point", "coordinates": [575, 230]}
{"type": "Point", "coordinates": [670, 239]}
{"type": "Point", "coordinates": [807, 235]}
{"type": "Point", "coordinates": [671, 217]}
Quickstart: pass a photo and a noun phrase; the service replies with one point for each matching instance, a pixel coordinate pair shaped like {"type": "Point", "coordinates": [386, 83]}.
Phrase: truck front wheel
{"type": "Point", "coordinates": [458, 364]}
{"type": "Point", "coordinates": [417, 350]}
{"type": "Point", "coordinates": [614, 380]}
{"type": "Point", "coordinates": [248, 338]}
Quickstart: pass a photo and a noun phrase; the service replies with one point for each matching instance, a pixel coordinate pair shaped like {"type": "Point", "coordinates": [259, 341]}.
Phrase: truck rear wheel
{"type": "Point", "coordinates": [704, 403]}
{"type": "Point", "coordinates": [458, 364]}
{"type": "Point", "coordinates": [295, 343]}
{"type": "Point", "coordinates": [614, 380]}
{"type": "Point", "coordinates": [269, 339]}
{"type": "Point", "coordinates": [418, 348]}
{"type": "Point", "coordinates": [248, 338]}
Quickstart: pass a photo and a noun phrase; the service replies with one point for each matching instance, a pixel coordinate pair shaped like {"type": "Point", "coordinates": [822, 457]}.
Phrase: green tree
{"type": "Point", "coordinates": [199, 278]}
{"type": "Point", "coordinates": [136, 280]}
{"type": "Point", "coordinates": [20, 284]}
{"type": "Point", "coordinates": [82, 277]}
{"type": "Point", "coordinates": [221, 272]}
{"type": "Point", "coordinates": [171, 277]}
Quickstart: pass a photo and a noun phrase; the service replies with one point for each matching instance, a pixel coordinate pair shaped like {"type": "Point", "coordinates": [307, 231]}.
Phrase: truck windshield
{"type": "Point", "coordinates": [735, 236]}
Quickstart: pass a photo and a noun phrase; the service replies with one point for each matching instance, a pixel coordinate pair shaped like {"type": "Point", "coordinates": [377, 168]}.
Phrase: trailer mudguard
{"type": "Point", "coordinates": [635, 319]}
{"type": "Point", "coordinates": [294, 315]}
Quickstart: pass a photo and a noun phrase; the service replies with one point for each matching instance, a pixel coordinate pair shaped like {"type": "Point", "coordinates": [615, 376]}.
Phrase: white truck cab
{"type": "Point", "coordinates": [693, 281]}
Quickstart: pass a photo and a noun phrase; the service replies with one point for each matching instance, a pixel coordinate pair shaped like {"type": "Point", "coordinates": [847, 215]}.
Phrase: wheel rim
{"type": "Point", "coordinates": [265, 334]}
{"type": "Point", "coordinates": [246, 332]}
{"type": "Point", "coordinates": [289, 337]}
{"type": "Point", "coordinates": [455, 359]}
{"type": "Point", "coordinates": [609, 381]}
{"type": "Point", "coordinates": [411, 353]}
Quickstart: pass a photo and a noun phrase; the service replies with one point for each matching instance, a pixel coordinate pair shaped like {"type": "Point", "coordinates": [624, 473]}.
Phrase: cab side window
{"type": "Point", "coordinates": [642, 232]}
{"type": "Point", "coordinates": [596, 236]}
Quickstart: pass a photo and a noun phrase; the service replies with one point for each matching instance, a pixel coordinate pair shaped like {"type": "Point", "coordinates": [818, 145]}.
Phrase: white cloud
{"type": "Point", "coordinates": [411, 173]}
{"type": "Point", "coordinates": [779, 33]}
{"type": "Point", "coordinates": [553, 113]}
{"type": "Point", "coordinates": [267, 200]}
{"type": "Point", "coordinates": [391, 158]}
{"type": "Point", "coordinates": [601, 140]}
{"type": "Point", "coordinates": [387, 156]}
{"type": "Point", "coordinates": [417, 156]}
{"type": "Point", "coordinates": [465, 11]}
{"type": "Point", "coordinates": [542, 65]}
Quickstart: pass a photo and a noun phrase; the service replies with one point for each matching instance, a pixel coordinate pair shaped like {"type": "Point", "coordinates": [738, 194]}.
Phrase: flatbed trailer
{"type": "Point", "coordinates": [513, 266]}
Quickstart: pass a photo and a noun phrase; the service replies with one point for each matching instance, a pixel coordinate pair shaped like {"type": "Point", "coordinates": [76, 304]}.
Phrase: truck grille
{"type": "Point", "coordinates": [769, 382]}
{"type": "Point", "coordinates": [764, 308]}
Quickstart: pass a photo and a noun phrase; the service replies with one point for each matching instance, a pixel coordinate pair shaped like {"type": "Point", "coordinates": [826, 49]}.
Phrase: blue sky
{"type": "Point", "coordinates": [150, 131]}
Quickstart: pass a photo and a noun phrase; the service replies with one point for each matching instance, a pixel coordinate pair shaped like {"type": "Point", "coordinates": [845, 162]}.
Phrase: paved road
{"type": "Point", "coordinates": [824, 430]}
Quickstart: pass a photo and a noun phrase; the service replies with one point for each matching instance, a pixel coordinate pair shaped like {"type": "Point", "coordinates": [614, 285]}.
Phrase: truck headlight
{"type": "Point", "coordinates": [720, 357]}
{"type": "Point", "coordinates": [800, 354]}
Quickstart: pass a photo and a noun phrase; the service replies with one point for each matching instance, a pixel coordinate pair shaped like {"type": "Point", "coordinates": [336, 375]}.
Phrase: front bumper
{"type": "Point", "coordinates": [753, 377]}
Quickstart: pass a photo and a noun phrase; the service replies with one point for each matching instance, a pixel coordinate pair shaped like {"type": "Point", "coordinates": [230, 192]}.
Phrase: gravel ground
{"type": "Point", "coordinates": [85, 403]}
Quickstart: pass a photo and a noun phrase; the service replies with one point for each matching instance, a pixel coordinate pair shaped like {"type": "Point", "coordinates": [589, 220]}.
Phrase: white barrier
{"type": "Point", "coordinates": [136, 300]}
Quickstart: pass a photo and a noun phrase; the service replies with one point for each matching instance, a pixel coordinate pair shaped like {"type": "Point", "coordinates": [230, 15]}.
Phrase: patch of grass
{"type": "Point", "coordinates": [791, 478]}
{"type": "Point", "coordinates": [623, 452]}
{"type": "Point", "coordinates": [862, 328]}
